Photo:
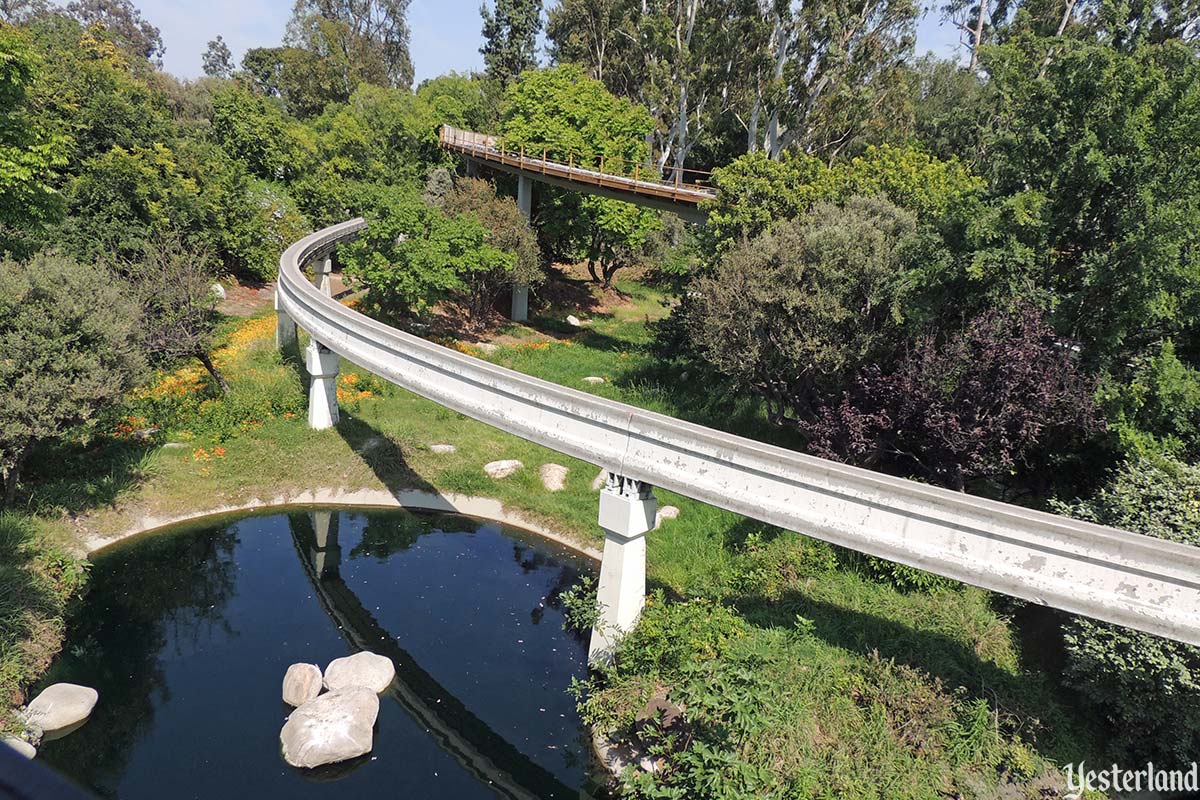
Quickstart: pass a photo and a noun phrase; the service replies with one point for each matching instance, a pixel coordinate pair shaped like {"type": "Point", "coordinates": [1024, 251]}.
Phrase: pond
{"type": "Point", "coordinates": [187, 634]}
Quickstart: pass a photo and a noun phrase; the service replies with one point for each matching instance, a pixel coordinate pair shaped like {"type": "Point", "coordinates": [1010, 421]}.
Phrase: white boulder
{"type": "Point", "coordinates": [22, 747]}
{"type": "Point", "coordinates": [442, 449]}
{"type": "Point", "coordinates": [218, 291]}
{"type": "Point", "coordinates": [301, 683]}
{"type": "Point", "coordinates": [334, 727]}
{"type": "Point", "coordinates": [573, 321]}
{"type": "Point", "coordinates": [487, 347]}
{"type": "Point", "coordinates": [554, 477]}
{"type": "Point", "coordinates": [593, 379]}
{"type": "Point", "coordinates": [666, 512]}
{"type": "Point", "coordinates": [60, 709]}
{"type": "Point", "coordinates": [502, 469]}
{"type": "Point", "coordinates": [364, 670]}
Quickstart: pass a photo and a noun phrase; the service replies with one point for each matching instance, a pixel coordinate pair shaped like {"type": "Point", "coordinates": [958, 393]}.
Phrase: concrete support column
{"type": "Point", "coordinates": [627, 511]}
{"type": "Point", "coordinates": [322, 364]}
{"type": "Point", "coordinates": [285, 328]}
{"type": "Point", "coordinates": [326, 554]}
{"type": "Point", "coordinates": [520, 293]}
{"type": "Point", "coordinates": [323, 272]}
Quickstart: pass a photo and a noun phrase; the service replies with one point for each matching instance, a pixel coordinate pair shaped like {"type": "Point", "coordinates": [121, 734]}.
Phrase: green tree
{"type": "Point", "coordinates": [172, 284]}
{"type": "Point", "coordinates": [792, 314]}
{"type": "Point", "coordinates": [367, 40]}
{"type": "Point", "coordinates": [124, 22]}
{"type": "Point", "coordinates": [1146, 687]}
{"type": "Point", "coordinates": [70, 342]}
{"type": "Point", "coordinates": [1094, 158]}
{"type": "Point", "coordinates": [28, 156]}
{"type": "Point", "coordinates": [1156, 408]}
{"type": "Point", "coordinates": [508, 231]}
{"type": "Point", "coordinates": [510, 38]}
{"type": "Point", "coordinates": [570, 117]}
{"type": "Point", "coordinates": [412, 255]}
{"type": "Point", "coordinates": [255, 131]}
{"type": "Point", "coordinates": [217, 59]}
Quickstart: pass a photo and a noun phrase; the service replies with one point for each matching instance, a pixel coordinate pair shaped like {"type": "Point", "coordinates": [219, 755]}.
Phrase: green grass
{"type": "Point", "coordinates": [870, 690]}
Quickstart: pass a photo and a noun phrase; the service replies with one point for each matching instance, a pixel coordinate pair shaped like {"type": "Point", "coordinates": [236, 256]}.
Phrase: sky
{"type": "Point", "coordinates": [445, 33]}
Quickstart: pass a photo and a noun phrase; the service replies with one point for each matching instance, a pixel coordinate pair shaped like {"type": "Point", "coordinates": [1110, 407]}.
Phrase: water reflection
{"type": "Point", "coordinates": [186, 636]}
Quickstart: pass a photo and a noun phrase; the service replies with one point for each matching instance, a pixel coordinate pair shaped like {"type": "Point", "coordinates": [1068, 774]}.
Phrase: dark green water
{"type": "Point", "coordinates": [186, 635]}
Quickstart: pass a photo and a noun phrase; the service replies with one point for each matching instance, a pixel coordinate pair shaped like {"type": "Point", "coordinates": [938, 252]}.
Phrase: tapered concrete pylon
{"type": "Point", "coordinates": [627, 511]}
{"type": "Point", "coordinates": [285, 328]}
{"type": "Point", "coordinates": [322, 364]}
{"type": "Point", "coordinates": [520, 292]}
{"type": "Point", "coordinates": [323, 271]}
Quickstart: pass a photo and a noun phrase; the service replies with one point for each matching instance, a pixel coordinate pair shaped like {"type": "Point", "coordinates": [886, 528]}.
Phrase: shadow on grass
{"type": "Point", "coordinates": [1028, 701]}
{"type": "Point", "coordinates": [74, 478]}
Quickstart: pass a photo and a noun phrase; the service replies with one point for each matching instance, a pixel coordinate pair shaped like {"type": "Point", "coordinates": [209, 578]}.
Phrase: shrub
{"type": "Point", "coordinates": [1158, 408]}
{"type": "Point", "coordinates": [1146, 686]}
{"type": "Point", "coordinates": [70, 350]}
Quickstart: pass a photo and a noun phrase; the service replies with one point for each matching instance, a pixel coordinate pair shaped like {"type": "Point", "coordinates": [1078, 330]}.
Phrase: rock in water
{"type": "Point", "coordinates": [364, 670]}
{"type": "Point", "coordinates": [334, 727]}
{"type": "Point", "coordinates": [554, 477]}
{"type": "Point", "coordinates": [20, 745]}
{"type": "Point", "coordinates": [301, 684]}
{"type": "Point", "coordinates": [60, 709]}
{"type": "Point", "coordinates": [502, 469]}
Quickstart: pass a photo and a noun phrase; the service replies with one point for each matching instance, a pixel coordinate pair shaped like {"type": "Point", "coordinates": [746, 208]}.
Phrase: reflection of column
{"type": "Point", "coordinates": [520, 292]}
{"type": "Point", "coordinates": [627, 509]}
{"type": "Point", "coordinates": [326, 554]}
{"type": "Point", "coordinates": [323, 270]}
{"type": "Point", "coordinates": [322, 365]}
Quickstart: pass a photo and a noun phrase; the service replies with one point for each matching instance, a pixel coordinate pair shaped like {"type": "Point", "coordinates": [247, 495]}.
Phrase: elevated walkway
{"type": "Point", "coordinates": [679, 197]}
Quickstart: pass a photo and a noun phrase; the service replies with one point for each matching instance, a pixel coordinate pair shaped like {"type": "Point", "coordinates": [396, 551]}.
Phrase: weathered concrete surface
{"type": "Point", "coordinates": [1116, 576]}
{"type": "Point", "coordinates": [365, 670]}
{"type": "Point", "coordinates": [335, 727]}
{"type": "Point", "coordinates": [301, 683]}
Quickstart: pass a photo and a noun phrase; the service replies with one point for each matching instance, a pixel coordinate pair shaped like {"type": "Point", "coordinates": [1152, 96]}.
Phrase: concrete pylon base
{"type": "Point", "coordinates": [627, 510]}
{"type": "Point", "coordinates": [322, 364]}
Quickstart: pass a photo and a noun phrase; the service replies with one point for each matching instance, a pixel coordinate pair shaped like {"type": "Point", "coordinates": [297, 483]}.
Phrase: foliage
{"type": "Point", "coordinates": [979, 403]}
{"type": "Point", "coordinates": [173, 285]}
{"type": "Point", "coordinates": [28, 199]}
{"type": "Point", "coordinates": [124, 22]}
{"type": "Point", "coordinates": [217, 60]}
{"type": "Point", "coordinates": [413, 255]}
{"type": "Point", "coordinates": [569, 117]}
{"type": "Point", "coordinates": [255, 131]}
{"type": "Point", "coordinates": [69, 339]}
{"type": "Point", "coordinates": [1097, 146]}
{"type": "Point", "coordinates": [38, 581]}
{"type": "Point", "coordinates": [1148, 688]}
{"type": "Point", "coordinates": [508, 231]}
{"type": "Point", "coordinates": [1157, 408]}
{"type": "Point", "coordinates": [791, 314]}
{"type": "Point", "coordinates": [510, 38]}
{"type": "Point", "coordinates": [363, 40]}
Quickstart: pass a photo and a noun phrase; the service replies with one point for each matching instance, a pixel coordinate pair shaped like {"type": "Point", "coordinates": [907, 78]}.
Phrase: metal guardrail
{"type": "Point", "coordinates": [493, 149]}
{"type": "Point", "coordinates": [1113, 575]}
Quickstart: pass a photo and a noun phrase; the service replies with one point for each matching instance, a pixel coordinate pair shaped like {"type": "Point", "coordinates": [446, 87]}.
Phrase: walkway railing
{"type": "Point", "coordinates": [608, 173]}
{"type": "Point", "coordinates": [1112, 575]}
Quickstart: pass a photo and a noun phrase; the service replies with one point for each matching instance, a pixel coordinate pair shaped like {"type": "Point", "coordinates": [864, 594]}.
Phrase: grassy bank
{"type": "Point", "coordinates": [832, 680]}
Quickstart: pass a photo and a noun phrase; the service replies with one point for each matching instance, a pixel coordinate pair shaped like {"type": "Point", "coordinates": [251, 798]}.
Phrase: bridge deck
{"type": "Point", "coordinates": [490, 149]}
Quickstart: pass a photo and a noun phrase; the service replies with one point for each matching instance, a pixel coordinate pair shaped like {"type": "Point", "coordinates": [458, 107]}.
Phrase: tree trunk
{"type": "Point", "coordinates": [212, 370]}
{"type": "Point", "coordinates": [14, 475]}
{"type": "Point", "coordinates": [978, 34]}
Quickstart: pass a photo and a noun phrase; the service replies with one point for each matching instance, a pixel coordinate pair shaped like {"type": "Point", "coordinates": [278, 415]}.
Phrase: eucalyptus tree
{"type": "Point", "coordinates": [124, 22]}
{"type": "Point", "coordinates": [217, 59]}
{"type": "Point", "coordinates": [510, 38]}
{"type": "Point", "coordinates": [369, 37]}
